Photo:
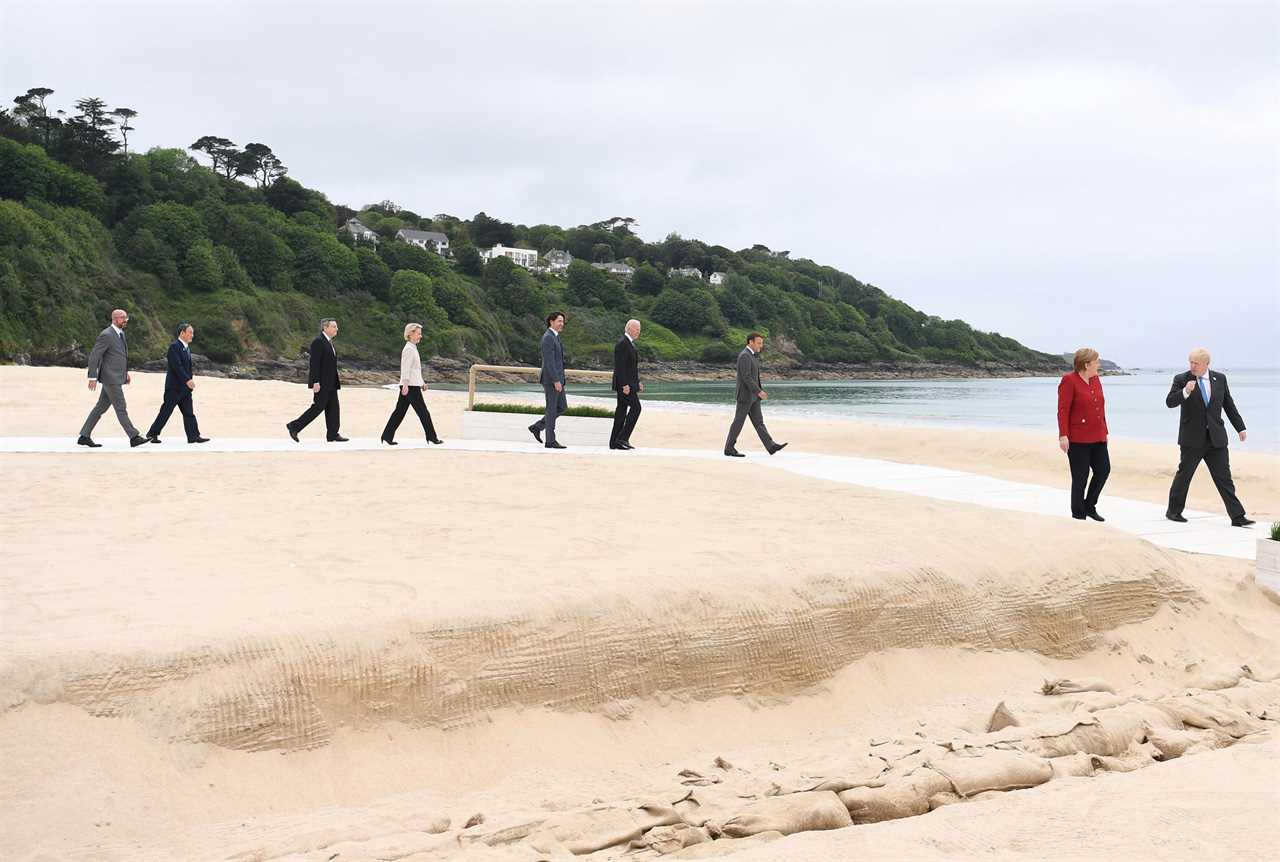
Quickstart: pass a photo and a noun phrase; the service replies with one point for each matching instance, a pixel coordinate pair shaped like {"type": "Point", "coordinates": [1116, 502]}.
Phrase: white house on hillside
{"type": "Point", "coordinates": [358, 230]}
{"type": "Point", "coordinates": [687, 272]}
{"type": "Point", "coordinates": [557, 260]}
{"type": "Point", "coordinates": [719, 277]}
{"type": "Point", "coordinates": [525, 257]}
{"type": "Point", "coordinates": [619, 269]}
{"type": "Point", "coordinates": [430, 240]}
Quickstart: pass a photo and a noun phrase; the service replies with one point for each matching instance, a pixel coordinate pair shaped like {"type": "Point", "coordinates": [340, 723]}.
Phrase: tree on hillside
{"type": "Point", "coordinates": [259, 162]}
{"type": "Point", "coordinates": [468, 259]}
{"type": "Point", "coordinates": [487, 232]}
{"type": "Point", "coordinates": [224, 154]}
{"type": "Point", "coordinates": [32, 110]}
{"type": "Point", "coordinates": [123, 116]}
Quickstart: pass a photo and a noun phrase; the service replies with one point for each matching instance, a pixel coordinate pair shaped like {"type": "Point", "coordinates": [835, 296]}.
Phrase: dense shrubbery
{"type": "Point", "coordinates": [85, 226]}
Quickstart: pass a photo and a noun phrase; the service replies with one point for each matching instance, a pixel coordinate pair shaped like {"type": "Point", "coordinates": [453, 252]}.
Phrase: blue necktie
{"type": "Point", "coordinates": [1204, 390]}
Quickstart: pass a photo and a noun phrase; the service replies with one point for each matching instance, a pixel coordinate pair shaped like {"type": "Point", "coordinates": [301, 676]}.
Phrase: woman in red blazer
{"type": "Point", "coordinates": [1082, 433]}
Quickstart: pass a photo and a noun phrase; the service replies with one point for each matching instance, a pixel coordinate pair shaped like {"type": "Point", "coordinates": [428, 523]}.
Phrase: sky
{"type": "Point", "coordinates": [1064, 173]}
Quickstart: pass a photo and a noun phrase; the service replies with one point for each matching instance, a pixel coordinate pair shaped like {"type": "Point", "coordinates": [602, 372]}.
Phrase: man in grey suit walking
{"type": "Point", "coordinates": [552, 379]}
{"type": "Point", "coordinates": [749, 396]}
{"type": "Point", "coordinates": [109, 365]}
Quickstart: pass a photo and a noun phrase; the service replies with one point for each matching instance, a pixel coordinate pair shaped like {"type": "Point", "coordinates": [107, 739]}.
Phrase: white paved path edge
{"type": "Point", "coordinates": [1206, 533]}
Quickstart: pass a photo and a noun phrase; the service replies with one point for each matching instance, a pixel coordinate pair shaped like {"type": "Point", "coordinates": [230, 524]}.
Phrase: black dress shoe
{"type": "Point", "coordinates": [197, 440]}
{"type": "Point", "coordinates": [154, 438]}
{"type": "Point", "coordinates": [1093, 513]}
{"type": "Point", "coordinates": [554, 445]}
{"type": "Point", "coordinates": [536, 432]}
{"type": "Point", "coordinates": [1242, 521]}
{"type": "Point", "coordinates": [388, 442]}
{"type": "Point", "coordinates": [337, 438]}
{"type": "Point", "coordinates": [137, 440]}
{"type": "Point", "coordinates": [293, 434]}
{"type": "Point", "coordinates": [435, 440]}
{"type": "Point", "coordinates": [1172, 517]}
{"type": "Point", "coordinates": [625, 445]}
{"type": "Point", "coordinates": [619, 447]}
{"type": "Point", "coordinates": [85, 441]}
{"type": "Point", "coordinates": [734, 453]}
{"type": "Point", "coordinates": [1078, 517]}
{"type": "Point", "coordinates": [778, 448]}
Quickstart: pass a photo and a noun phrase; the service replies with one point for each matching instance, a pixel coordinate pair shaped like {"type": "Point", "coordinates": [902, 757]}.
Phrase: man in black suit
{"type": "Point", "coordinates": [748, 396]}
{"type": "Point", "coordinates": [323, 379]}
{"type": "Point", "coordinates": [1201, 397]}
{"type": "Point", "coordinates": [179, 383]}
{"type": "Point", "coordinates": [626, 382]}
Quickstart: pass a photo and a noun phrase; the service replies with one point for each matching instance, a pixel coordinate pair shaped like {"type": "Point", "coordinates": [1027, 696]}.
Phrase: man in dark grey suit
{"type": "Point", "coordinates": [109, 365]}
{"type": "Point", "coordinates": [552, 379]}
{"type": "Point", "coordinates": [1201, 397]}
{"type": "Point", "coordinates": [749, 396]}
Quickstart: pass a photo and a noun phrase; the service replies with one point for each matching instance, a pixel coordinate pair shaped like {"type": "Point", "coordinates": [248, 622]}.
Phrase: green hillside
{"type": "Point", "coordinates": [254, 259]}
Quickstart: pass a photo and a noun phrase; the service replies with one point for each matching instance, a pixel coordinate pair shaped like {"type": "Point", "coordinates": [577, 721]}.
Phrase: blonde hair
{"type": "Point", "coordinates": [1198, 355]}
{"type": "Point", "coordinates": [409, 328]}
{"type": "Point", "coordinates": [1083, 357]}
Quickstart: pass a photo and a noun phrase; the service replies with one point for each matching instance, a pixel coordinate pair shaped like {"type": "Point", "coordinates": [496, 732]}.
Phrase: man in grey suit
{"type": "Point", "coordinates": [109, 365]}
{"type": "Point", "coordinates": [749, 396]}
{"type": "Point", "coordinates": [552, 379]}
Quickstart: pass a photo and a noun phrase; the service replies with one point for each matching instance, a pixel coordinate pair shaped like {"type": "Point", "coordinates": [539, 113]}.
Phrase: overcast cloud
{"type": "Point", "coordinates": [1063, 173]}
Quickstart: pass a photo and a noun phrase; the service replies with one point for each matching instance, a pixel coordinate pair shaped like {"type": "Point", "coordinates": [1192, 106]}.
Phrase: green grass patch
{"type": "Point", "coordinates": [535, 410]}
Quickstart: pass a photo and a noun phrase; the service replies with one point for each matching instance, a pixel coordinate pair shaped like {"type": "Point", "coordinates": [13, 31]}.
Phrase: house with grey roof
{"type": "Point", "coordinates": [687, 272]}
{"type": "Point", "coordinates": [557, 260]}
{"type": "Point", "coordinates": [431, 240]}
{"type": "Point", "coordinates": [360, 231]}
{"type": "Point", "coordinates": [615, 268]}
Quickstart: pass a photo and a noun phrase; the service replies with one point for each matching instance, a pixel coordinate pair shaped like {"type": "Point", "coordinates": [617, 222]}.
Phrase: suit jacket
{"type": "Point", "coordinates": [109, 359]}
{"type": "Point", "coordinates": [324, 364]}
{"type": "Point", "coordinates": [748, 376]}
{"type": "Point", "coordinates": [179, 370]}
{"type": "Point", "coordinates": [552, 359]}
{"type": "Point", "coordinates": [1082, 409]}
{"type": "Point", "coordinates": [1195, 417]}
{"type": "Point", "coordinates": [410, 365]}
{"type": "Point", "coordinates": [626, 365]}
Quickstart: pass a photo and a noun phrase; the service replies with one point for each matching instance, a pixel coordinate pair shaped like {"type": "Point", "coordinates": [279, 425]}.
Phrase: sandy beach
{"type": "Point", "coordinates": [253, 657]}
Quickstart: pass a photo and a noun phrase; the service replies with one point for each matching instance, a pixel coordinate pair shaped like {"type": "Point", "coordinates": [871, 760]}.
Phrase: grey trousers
{"type": "Point", "coordinates": [111, 395]}
{"type": "Point", "coordinates": [557, 403]}
{"type": "Point", "coordinates": [744, 410]}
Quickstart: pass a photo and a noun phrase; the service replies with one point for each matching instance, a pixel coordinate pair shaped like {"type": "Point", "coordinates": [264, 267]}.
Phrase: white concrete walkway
{"type": "Point", "coordinates": [1206, 533]}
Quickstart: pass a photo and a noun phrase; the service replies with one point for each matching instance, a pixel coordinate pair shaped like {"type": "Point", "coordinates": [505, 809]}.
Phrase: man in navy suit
{"type": "Point", "coordinates": [179, 383]}
{"type": "Point", "coordinates": [1201, 396]}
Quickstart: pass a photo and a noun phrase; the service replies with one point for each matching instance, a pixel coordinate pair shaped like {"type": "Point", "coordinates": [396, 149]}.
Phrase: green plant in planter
{"type": "Point", "coordinates": [535, 410]}
{"type": "Point", "coordinates": [1275, 531]}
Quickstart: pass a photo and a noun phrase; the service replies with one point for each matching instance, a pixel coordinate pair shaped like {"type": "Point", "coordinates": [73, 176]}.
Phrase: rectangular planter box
{"type": "Point", "coordinates": [1269, 563]}
{"type": "Point", "coordinates": [514, 427]}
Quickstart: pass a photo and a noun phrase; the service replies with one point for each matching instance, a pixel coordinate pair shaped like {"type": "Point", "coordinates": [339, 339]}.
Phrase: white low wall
{"type": "Point", "coordinates": [514, 427]}
{"type": "Point", "coordinates": [1268, 563]}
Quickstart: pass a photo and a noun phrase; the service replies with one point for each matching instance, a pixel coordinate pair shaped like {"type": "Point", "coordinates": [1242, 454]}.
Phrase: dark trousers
{"type": "Point", "coordinates": [1086, 457]}
{"type": "Point", "coordinates": [1219, 468]}
{"type": "Point", "coordinates": [625, 416]}
{"type": "Point", "coordinates": [414, 399]}
{"type": "Point", "coordinates": [745, 409]}
{"type": "Point", "coordinates": [556, 405]}
{"type": "Point", "coordinates": [325, 401]}
{"type": "Point", "coordinates": [183, 401]}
